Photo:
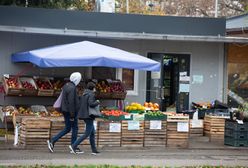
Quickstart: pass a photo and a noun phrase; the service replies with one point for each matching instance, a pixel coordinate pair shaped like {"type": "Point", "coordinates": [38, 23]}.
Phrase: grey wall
{"type": "Point", "coordinates": [206, 59]}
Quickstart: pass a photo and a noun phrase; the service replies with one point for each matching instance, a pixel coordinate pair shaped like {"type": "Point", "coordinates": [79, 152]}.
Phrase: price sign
{"type": "Point", "coordinates": [133, 125]}
{"type": "Point", "coordinates": [114, 127]}
{"type": "Point", "coordinates": [156, 124]}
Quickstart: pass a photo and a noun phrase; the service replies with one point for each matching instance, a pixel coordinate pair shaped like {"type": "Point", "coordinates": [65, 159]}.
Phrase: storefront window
{"type": "Point", "coordinates": [128, 78]}
{"type": "Point", "coordinates": [237, 75]}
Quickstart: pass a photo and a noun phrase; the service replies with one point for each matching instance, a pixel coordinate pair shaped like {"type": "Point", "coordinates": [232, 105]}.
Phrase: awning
{"type": "Point", "coordinates": [86, 54]}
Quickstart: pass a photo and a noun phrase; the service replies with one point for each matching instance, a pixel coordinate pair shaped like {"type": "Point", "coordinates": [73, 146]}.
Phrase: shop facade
{"type": "Point", "coordinates": [200, 40]}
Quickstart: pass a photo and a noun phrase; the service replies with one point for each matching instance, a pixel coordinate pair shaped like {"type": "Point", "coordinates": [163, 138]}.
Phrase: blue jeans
{"type": "Point", "coordinates": [68, 126]}
{"type": "Point", "coordinates": [89, 132]}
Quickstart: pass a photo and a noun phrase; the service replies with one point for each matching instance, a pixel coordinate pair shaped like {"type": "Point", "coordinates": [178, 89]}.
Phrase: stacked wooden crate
{"type": "Point", "coordinates": [109, 133]}
{"type": "Point", "coordinates": [57, 125]}
{"type": "Point", "coordinates": [155, 133]}
{"type": "Point", "coordinates": [214, 128]}
{"type": "Point", "coordinates": [178, 131]}
{"type": "Point", "coordinates": [132, 133]}
{"type": "Point", "coordinates": [34, 132]}
{"type": "Point", "coordinates": [196, 128]}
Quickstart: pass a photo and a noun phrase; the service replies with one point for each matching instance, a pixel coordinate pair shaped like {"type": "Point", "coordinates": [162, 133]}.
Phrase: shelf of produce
{"type": "Point", "coordinates": [155, 133]}
{"type": "Point", "coordinates": [214, 127]}
{"type": "Point", "coordinates": [132, 133]}
{"type": "Point", "coordinates": [108, 135]}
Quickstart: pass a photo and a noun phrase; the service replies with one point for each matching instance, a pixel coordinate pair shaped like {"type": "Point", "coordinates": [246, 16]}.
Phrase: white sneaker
{"type": "Point", "coordinates": [72, 150]}
{"type": "Point", "coordinates": [50, 146]}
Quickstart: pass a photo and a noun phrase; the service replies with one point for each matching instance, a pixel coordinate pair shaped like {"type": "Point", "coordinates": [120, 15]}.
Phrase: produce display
{"type": "Point", "coordinates": [114, 113]}
{"type": "Point", "coordinates": [9, 110]}
{"type": "Point", "coordinates": [57, 84]}
{"type": "Point", "coordinates": [151, 106]}
{"type": "Point", "coordinates": [135, 107]}
{"type": "Point", "coordinates": [13, 83]}
{"type": "Point", "coordinates": [43, 84]}
{"type": "Point", "coordinates": [116, 87]}
{"type": "Point", "coordinates": [28, 83]}
{"type": "Point", "coordinates": [103, 87]}
{"type": "Point", "coordinates": [24, 111]}
{"type": "Point", "coordinates": [52, 112]}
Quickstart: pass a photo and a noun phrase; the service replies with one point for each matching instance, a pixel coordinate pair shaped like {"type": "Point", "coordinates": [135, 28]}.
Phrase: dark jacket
{"type": "Point", "coordinates": [70, 101]}
{"type": "Point", "coordinates": [86, 100]}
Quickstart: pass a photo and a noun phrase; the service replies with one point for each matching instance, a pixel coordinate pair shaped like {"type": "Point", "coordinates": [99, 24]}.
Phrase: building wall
{"type": "Point", "coordinates": [207, 60]}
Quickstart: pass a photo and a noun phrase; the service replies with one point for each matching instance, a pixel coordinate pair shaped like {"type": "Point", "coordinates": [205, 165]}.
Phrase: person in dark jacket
{"type": "Point", "coordinates": [69, 108]}
{"type": "Point", "coordinates": [86, 100]}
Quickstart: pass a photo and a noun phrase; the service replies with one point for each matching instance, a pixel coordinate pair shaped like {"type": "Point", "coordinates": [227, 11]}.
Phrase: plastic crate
{"type": "Point", "coordinates": [240, 135]}
{"type": "Point", "coordinates": [235, 142]}
{"type": "Point", "coordinates": [229, 124]}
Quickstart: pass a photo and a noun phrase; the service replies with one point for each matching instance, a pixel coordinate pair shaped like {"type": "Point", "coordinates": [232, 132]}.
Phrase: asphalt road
{"type": "Point", "coordinates": [126, 157]}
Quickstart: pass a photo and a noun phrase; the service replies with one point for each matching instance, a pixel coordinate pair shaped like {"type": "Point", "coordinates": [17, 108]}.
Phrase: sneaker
{"type": "Point", "coordinates": [78, 151]}
{"type": "Point", "coordinates": [72, 150]}
{"type": "Point", "coordinates": [50, 146]}
{"type": "Point", "coordinates": [95, 153]}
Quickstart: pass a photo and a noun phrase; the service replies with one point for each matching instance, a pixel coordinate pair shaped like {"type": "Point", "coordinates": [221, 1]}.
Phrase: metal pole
{"type": "Point", "coordinates": [216, 9]}
{"type": "Point", "coordinates": [127, 6]}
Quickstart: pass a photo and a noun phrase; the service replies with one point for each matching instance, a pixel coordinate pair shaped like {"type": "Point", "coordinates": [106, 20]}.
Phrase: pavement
{"type": "Point", "coordinates": [200, 152]}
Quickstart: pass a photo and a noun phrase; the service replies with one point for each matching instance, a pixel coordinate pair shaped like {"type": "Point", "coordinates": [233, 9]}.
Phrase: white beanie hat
{"type": "Point", "coordinates": [75, 77]}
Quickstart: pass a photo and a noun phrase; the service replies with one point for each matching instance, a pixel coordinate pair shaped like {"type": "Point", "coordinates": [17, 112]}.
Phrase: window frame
{"type": "Point", "coordinates": [133, 92]}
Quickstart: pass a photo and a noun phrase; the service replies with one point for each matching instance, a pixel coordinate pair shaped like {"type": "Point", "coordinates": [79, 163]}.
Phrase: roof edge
{"type": "Point", "coordinates": [123, 35]}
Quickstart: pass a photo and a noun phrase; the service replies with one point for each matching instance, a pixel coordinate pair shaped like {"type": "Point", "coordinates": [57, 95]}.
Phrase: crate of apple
{"type": "Point", "coordinates": [57, 85]}
{"type": "Point", "coordinates": [12, 86]}
{"type": "Point", "coordinates": [118, 90]}
{"type": "Point", "coordinates": [29, 86]}
{"type": "Point", "coordinates": [44, 87]}
{"type": "Point", "coordinates": [103, 90]}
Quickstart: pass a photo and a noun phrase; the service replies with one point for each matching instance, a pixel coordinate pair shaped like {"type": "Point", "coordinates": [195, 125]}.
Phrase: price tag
{"type": "Point", "coordinates": [133, 125]}
{"type": "Point", "coordinates": [183, 127]}
{"type": "Point", "coordinates": [156, 124]}
{"type": "Point", "coordinates": [114, 127]}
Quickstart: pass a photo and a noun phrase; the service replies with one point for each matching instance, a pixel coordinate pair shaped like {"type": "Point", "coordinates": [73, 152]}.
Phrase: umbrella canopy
{"type": "Point", "coordinates": [85, 54]}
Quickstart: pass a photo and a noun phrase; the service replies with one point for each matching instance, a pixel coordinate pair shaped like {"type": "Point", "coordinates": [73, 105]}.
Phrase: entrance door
{"type": "Point", "coordinates": [164, 87]}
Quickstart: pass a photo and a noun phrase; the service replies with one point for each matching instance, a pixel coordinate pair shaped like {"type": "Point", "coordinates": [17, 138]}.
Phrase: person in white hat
{"type": "Point", "coordinates": [69, 108]}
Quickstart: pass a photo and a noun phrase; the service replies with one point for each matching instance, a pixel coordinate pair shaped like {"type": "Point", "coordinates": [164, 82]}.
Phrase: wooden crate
{"type": "Point", "coordinates": [29, 92]}
{"type": "Point", "coordinates": [34, 132]}
{"type": "Point", "coordinates": [107, 138]}
{"type": "Point", "coordinates": [155, 137]}
{"type": "Point", "coordinates": [177, 118]}
{"type": "Point", "coordinates": [57, 124]}
{"type": "Point", "coordinates": [132, 138]}
{"type": "Point", "coordinates": [12, 91]}
{"type": "Point", "coordinates": [214, 127]}
{"type": "Point", "coordinates": [175, 138]}
{"type": "Point", "coordinates": [196, 130]}
{"type": "Point", "coordinates": [44, 92]}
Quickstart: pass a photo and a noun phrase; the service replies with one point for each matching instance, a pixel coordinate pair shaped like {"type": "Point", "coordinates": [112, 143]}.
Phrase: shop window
{"type": "Point", "coordinates": [237, 68]}
{"type": "Point", "coordinates": [129, 78]}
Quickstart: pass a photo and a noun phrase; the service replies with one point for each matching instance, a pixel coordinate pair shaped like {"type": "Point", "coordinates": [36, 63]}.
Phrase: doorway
{"type": "Point", "coordinates": [165, 87]}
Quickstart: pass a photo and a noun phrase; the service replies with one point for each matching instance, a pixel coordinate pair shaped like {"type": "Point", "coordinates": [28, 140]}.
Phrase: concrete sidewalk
{"type": "Point", "coordinates": [198, 153]}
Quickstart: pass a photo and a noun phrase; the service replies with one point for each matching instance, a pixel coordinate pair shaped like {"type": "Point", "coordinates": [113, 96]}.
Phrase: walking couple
{"type": "Point", "coordinates": [73, 108]}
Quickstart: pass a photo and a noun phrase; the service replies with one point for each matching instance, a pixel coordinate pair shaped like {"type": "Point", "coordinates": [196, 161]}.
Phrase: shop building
{"type": "Point", "coordinates": [192, 51]}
